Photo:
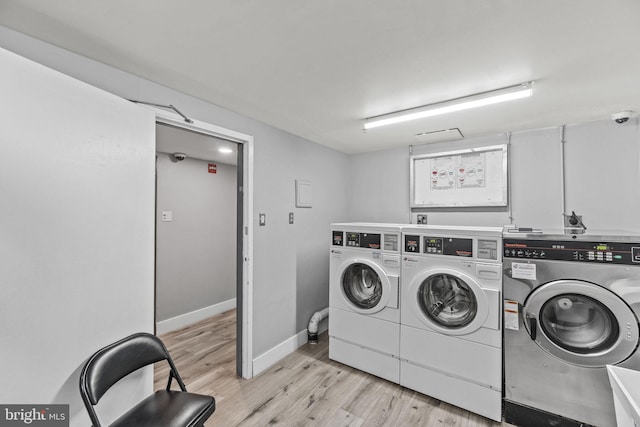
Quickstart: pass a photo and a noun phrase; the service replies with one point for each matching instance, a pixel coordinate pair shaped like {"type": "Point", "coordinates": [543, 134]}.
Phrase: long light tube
{"type": "Point", "coordinates": [473, 101]}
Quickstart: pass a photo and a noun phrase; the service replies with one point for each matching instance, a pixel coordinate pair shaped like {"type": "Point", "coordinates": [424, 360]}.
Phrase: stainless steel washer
{"type": "Point", "coordinates": [571, 307]}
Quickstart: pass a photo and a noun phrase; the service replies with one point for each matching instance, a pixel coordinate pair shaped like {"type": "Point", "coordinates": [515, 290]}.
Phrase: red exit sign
{"type": "Point", "coordinates": [213, 168]}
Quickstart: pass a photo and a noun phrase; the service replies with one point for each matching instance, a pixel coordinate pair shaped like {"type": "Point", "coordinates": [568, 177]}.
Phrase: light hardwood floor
{"type": "Point", "coordinates": [303, 389]}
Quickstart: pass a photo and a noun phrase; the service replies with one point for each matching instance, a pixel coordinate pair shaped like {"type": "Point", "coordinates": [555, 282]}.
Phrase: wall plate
{"type": "Point", "coordinates": [304, 194]}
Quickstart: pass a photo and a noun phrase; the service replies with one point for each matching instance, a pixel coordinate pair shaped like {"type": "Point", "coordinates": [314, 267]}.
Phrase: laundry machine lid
{"type": "Point", "coordinates": [581, 323]}
{"type": "Point", "coordinates": [366, 287]}
{"type": "Point", "coordinates": [362, 285]}
{"type": "Point", "coordinates": [449, 301]}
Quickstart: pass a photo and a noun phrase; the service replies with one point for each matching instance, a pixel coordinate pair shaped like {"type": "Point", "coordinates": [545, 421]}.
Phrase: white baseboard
{"type": "Point", "coordinates": [187, 319]}
{"type": "Point", "coordinates": [270, 357]}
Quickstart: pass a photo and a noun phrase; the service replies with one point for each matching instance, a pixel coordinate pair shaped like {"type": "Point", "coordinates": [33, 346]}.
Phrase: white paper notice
{"type": "Point", "coordinates": [442, 173]}
{"type": "Point", "coordinates": [511, 315]}
{"type": "Point", "coordinates": [520, 270]}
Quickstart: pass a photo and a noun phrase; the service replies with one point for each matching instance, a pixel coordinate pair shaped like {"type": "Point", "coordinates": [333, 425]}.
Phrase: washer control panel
{"type": "Point", "coordinates": [388, 242]}
{"type": "Point", "coordinates": [362, 240]}
{"type": "Point", "coordinates": [337, 238]}
{"type": "Point", "coordinates": [431, 245]}
{"type": "Point", "coordinates": [572, 250]}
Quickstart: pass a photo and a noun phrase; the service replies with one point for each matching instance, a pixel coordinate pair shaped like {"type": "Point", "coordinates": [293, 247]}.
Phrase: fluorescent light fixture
{"type": "Point", "coordinates": [473, 101]}
{"type": "Point", "coordinates": [225, 150]}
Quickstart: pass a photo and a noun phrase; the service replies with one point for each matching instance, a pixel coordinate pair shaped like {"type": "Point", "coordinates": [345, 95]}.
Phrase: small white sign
{"type": "Point", "coordinates": [520, 270]}
{"type": "Point", "coordinates": [511, 315]}
{"type": "Point", "coordinates": [304, 194]}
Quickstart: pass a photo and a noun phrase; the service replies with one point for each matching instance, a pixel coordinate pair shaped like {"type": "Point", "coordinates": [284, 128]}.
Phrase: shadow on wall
{"type": "Point", "coordinates": [110, 407]}
{"type": "Point", "coordinates": [69, 394]}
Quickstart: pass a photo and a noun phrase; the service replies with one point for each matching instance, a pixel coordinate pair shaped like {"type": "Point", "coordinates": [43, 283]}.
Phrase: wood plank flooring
{"type": "Point", "coordinates": [303, 389]}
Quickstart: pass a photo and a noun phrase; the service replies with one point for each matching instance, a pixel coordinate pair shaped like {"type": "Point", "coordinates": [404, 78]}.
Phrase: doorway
{"type": "Point", "coordinates": [243, 229]}
{"type": "Point", "coordinates": [196, 181]}
{"type": "Point", "coordinates": [196, 200]}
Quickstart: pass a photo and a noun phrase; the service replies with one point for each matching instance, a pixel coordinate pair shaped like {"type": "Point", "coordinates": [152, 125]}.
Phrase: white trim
{"type": "Point", "coordinates": [270, 357]}
{"type": "Point", "coordinates": [187, 319]}
{"type": "Point", "coordinates": [174, 119]}
{"type": "Point", "coordinates": [247, 271]}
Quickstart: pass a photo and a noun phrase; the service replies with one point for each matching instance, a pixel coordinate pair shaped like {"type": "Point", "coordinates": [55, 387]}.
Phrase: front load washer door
{"type": "Point", "coordinates": [581, 323]}
{"type": "Point", "coordinates": [367, 288]}
{"type": "Point", "coordinates": [449, 301]}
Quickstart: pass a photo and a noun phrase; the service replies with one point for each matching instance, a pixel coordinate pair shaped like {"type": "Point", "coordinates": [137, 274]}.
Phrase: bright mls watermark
{"type": "Point", "coordinates": [34, 415]}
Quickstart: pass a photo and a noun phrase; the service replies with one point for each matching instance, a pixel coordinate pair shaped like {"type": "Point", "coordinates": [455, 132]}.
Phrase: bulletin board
{"type": "Point", "coordinates": [469, 177]}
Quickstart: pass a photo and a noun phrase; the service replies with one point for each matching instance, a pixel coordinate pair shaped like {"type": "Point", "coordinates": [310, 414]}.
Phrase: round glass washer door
{"type": "Point", "coordinates": [449, 301]}
{"type": "Point", "coordinates": [365, 286]}
{"type": "Point", "coordinates": [581, 323]}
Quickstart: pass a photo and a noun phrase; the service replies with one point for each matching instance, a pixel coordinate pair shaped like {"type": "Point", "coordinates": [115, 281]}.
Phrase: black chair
{"type": "Point", "coordinates": [164, 408]}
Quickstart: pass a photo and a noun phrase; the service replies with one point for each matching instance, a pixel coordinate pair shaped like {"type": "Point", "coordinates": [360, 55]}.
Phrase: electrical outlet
{"type": "Point", "coordinates": [421, 219]}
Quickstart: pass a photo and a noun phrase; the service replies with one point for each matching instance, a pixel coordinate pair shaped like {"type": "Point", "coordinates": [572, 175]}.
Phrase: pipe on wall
{"type": "Point", "coordinates": [563, 187]}
{"type": "Point", "coordinates": [312, 329]}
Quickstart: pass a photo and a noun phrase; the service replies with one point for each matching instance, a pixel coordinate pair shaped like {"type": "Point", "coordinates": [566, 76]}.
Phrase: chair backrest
{"type": "Point", "coordinates": [114, 362]}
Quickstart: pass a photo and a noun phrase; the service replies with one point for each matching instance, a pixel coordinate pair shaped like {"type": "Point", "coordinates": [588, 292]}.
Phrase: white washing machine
{"type": "Point", "coordinates": [451, 329]}
{"type": "Point", "coordinates": [364, 310]}
{"type": "Point", "coordinates": [572, 304]}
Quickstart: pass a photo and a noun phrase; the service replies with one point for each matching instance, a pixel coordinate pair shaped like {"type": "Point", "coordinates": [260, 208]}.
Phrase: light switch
{"type": "Point", "coordinates": [262, 219]}
{"type": "Point", "coordinates": [167, 216]}
{"type": "Point", "coordinates": [290, 217]}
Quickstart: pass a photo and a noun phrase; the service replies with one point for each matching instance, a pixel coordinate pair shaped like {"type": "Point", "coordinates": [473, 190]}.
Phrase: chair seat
{"type": "Point", "coordinates": [169, 408]}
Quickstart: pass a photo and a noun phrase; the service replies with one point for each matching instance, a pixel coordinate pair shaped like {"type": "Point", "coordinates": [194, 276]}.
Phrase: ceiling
{"type": "Point", "coordinates": [171, 140]}
{"type": "Point", "coordinates": [318, 68]}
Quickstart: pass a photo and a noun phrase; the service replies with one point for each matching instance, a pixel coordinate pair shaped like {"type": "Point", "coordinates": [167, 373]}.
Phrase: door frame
{"type": "Point", "coordinates": [244, 285]}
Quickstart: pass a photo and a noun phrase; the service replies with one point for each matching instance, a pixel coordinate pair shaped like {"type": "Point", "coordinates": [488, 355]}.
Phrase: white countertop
{"type": "Point", "coordinates": [626, 394]}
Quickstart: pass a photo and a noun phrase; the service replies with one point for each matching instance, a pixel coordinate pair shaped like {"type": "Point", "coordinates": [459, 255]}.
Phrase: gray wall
{"type": "Point", "coordinates": [76, 235]}
{"type": "Point", "coordinates": [282, 252]}
{"type": "Point", "coordinates": [603, 181]}
{"type": "Point", "coordinates": [602, 167]}
{"type": "Point", "coordinates": [327, 172]}
{"type": "Point", "coordinates": [196, 251]}
{"type": "Point", "coordinates": [379, 186]}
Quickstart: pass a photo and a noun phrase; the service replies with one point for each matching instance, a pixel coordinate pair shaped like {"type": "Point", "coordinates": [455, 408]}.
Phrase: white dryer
{"type": "Point", "coordinates": [451, 334]}
{"type": "Point", "coordinates": [364, 311]}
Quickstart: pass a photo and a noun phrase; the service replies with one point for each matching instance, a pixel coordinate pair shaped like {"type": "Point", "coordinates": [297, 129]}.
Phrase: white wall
{"type": "Point", "coordinates": [379, 186]}
{"type": "Point", "coordinates": [196, 251]}
{"type": "Point", "coordinates": [602, 167]}
{"type": "Point", "coordinates": [603, 174]}
{"type": "Point", "coordinates": [76, 235]}
{"type": "Point", "coordinates": [279, 255]}
{"type": "Point", "coordinates": [536, 179]}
